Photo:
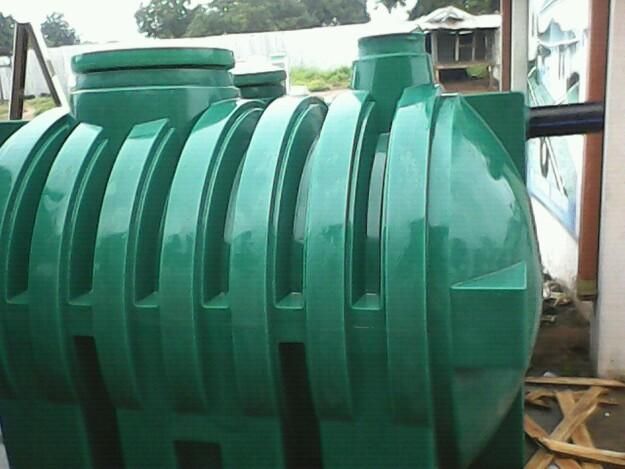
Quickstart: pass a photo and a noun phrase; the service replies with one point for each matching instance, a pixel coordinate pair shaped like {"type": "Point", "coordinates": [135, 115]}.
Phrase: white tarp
{"type": "Point", "coordinates": [324, 48]}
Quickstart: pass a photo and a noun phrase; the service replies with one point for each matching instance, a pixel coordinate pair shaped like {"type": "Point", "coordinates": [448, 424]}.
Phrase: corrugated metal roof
{"type": "Point", "coordinates": [456, 19]}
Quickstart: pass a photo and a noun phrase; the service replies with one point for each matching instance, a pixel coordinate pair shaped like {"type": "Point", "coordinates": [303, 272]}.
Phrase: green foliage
{"type": "Point", "coordinates": [40, 104]}
{"type": "Point", "coordinates": [390, 4]}
{"type": "Point", "coordinates": [165, 19]}
{"type": "Point", "coordinates": [32, 107]}
{"type": "Point", "coordinates": [479, 7]}
{"type": "Point", "coordinates": [245, 16]}
{"type": "Point", "coordinates": [174, 18]}
{"type": "Point", "coordinates": [7, 26]}
{"type": "Point", "coordinates": [321, 80]}
{"type": "Point", "coordinates": [478, 71]}
{"type": "Point", "coordinates": [335, 12]}
{"type": "Point", "coordinates": [56, 31]}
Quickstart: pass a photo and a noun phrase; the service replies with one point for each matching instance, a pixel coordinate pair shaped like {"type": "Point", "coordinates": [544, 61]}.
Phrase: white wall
{"type": "Point", "coordinates": [609, 325]}
{"type": "Point", "coordinates": [558, 242]}
{"type": "Point", "coordinates": [558, 248]}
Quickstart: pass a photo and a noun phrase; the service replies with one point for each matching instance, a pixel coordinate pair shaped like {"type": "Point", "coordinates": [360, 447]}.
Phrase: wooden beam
{"type": "Point", "coordinates": [581, 436]}
{"type": "Point", "coordinates": [18, 79]}
{"type": "Point", "coordinates": [582, 410]}
{"type": "Point", "coordinates": [539, 395]}
{"type": "Point", "coordinates": [533, 429]}
{"type": "Point", "coordinates": [580, 452]}
{"type": "Point", "coordinates": [506, 43]}
{"type": "Point", "coordinates": [473, 45]}
{"type": "Point", "coordinates": [567, 464]}
{"type": "Point", "coordinates": [590, 212]}
{"type": "Point", "coordinates": [37, 43]}
{"type": "Point", "coordinates": [434, 46]}
{"type": "Point", "coordinates": [556, 380]}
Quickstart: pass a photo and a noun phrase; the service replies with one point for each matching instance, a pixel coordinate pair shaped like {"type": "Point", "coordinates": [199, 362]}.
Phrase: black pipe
{"type": "Point", "coordinates": [565, 119]}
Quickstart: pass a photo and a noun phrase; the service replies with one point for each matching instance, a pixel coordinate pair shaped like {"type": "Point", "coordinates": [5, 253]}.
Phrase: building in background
{"type": "Point", "coordinates": [461, 41]}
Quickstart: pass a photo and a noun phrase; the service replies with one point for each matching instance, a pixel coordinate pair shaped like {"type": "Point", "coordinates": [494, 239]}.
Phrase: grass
{"type": "Point", "coordinates": [40, 104]}
{"type": "Point", "coordinates": [478, 71]}
{"type": "Point", "coordinates": [321, 80]}
{"type": "Point", "coordinates": [32, 107]}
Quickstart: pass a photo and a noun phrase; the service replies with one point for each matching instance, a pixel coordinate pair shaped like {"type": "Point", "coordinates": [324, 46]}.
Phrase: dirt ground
{"type": "Point", "coordinates": [454, 86]}
{"type": "Point", "coordinates": [563, 348]}
{"type": "Point", "coordinates": [468, 86]}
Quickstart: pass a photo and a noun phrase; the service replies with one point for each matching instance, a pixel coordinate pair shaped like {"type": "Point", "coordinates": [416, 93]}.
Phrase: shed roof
{"type": "Point", "coordinates": [456, 19]}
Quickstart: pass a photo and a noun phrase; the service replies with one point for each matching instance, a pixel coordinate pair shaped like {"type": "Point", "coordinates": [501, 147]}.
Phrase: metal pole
{"type": "Point", "coordinates": [18, 81]}
{"type": "Point", "coordinates": [590, 212]}
{"type": "Point", "coordinates": [506, 43]}
{"type": "Point", "coordinates": [567, 119]}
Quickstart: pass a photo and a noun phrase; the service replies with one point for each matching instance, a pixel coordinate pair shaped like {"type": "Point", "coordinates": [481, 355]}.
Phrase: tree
{"type": "Point", "coordinates": [479, 7]}
{"type": "Point", "coordinates": [7, 27]}
{"type": "Point", "coordinates": [165, 19]}
{"type": "Point", "coordinates": [425, 7]}
{"type": "Point", "coordinates": [390, 4]}
{"type": "Point", "coordinates": [245, 16]}
{"type": "Point", "coordinates": [56, 31]}
{"type": "Point", "coordinates": [335, 12]}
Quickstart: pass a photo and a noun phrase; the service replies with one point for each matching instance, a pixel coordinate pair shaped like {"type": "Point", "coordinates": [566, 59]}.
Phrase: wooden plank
{"type": "Point", "coordinates": [557, 380]}
{"type": "Point", "coordinates": [533, 429]}
{"type": "Point", "coordinates": [602, 400]}
{"type": "Point", "coordinates": [537, 397]}
{"type": "Point", "coordinates": [18, 80]}
{"type": "Point", "coordinates": [607, 401]}
{"type": "Point", "coordinates": [541, 394]}
{"type": "Point", "coordinates": [538, 403]}
{"type": "Point", "coordinates": [567, 464]}
{"type": "Point", "coordinates": [581, 452]}
{"type": "Point", "coordinates": [581, 435]}
{"type": "Point", "coordinates": [582, 410]}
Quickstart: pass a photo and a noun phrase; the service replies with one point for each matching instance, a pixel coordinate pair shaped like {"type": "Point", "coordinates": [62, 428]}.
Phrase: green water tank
{"type": "Point", "coordinates": [192, 279]}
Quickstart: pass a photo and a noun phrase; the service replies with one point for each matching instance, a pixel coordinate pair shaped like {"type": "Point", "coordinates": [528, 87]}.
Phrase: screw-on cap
{"type": "Point", "coordinates": [411, 43]}
{"type": "Point", "coordinates": [259, 78]}
{"type": "Point", "coordinates": [162, 57]}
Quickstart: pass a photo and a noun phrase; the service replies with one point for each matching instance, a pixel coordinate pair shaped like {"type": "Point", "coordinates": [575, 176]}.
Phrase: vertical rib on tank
{"type": "Point", "coordinates": [193, 279]}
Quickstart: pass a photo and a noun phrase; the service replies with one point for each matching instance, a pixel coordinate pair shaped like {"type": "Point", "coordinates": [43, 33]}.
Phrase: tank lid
{"type": "Point", "coordinates": [400, 43]}
{"type": "Point", "coordinates": [160, 57]}
{"type": "Point", "coordinates": [267, 77]}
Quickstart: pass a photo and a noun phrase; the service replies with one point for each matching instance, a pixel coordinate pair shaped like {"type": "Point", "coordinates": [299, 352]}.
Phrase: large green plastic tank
{"type": "Point", "coordinates": [190, 279]}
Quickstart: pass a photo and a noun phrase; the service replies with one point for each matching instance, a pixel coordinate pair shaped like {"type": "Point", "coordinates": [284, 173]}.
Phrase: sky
{"type": "Point", "coordinates": [106, 20]}
{"type": "Point", "coordinates": [94, 20]}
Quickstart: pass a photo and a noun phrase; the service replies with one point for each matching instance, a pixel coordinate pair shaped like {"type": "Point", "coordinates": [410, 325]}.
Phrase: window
{"type": "Point", "coordinates": [446, 47]}
{"type": "Point", "coordinates": [481, 45]}
{"type": "Point", "coordinates": [465, 46]}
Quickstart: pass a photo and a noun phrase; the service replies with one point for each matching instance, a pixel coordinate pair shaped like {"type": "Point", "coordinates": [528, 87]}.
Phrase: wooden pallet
{"type": "Point", "coordinates": [570, 444]}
